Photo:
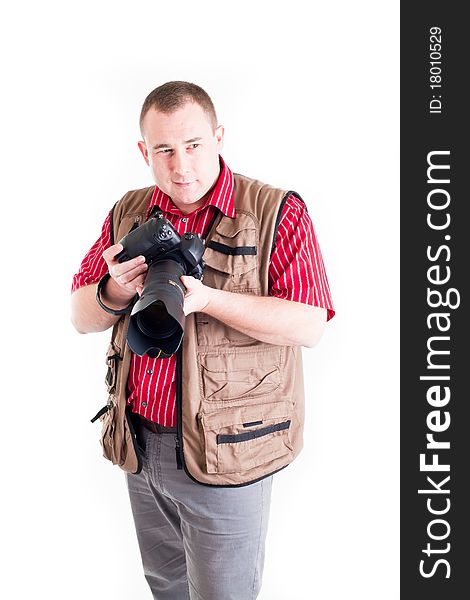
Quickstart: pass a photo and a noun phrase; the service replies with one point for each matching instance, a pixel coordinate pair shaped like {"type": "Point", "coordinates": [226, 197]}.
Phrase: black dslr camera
{"type": "Point", "coordinates": [157, 319]}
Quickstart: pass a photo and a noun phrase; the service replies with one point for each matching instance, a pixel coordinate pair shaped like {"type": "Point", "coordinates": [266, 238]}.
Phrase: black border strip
{"type": "Point", "coordinates": [435, 419]}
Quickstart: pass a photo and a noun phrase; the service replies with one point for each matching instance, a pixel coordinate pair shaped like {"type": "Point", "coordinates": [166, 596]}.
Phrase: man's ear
{"type": "Point", "coordinates": [143, 149]}
{"type": "Point", "coordinates": [219, 136]}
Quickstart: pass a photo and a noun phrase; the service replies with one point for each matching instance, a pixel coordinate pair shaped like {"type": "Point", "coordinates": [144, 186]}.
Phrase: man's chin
{"type": "Point", "coordinates": [188, 202]}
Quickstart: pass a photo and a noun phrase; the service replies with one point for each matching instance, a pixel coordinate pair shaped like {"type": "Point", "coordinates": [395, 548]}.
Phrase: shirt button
{"type": "Point", "coordinates": [184, 219]}
{"type": "Point", "coordinates": [144, 404]}
{"type": "Point", "coordinates": [149, 371]}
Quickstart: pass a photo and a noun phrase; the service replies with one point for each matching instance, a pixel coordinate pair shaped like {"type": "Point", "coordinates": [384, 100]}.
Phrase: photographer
{"type": "Point", "coordinates": [201, 432]}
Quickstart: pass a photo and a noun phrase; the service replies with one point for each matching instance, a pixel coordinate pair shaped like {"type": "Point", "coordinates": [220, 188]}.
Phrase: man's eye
{"type": "Point", "coordinates": [164, 151]}
{"type": "Point", "coordinates": [194, 146]}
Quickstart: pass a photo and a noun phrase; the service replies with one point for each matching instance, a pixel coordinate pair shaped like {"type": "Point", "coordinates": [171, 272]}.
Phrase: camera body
{"type": "Point", "coordinates": [156, 240]}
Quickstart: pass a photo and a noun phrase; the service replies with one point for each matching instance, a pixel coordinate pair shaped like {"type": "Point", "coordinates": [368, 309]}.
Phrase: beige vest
{"type": "Point", "coordinates": [240, 402]}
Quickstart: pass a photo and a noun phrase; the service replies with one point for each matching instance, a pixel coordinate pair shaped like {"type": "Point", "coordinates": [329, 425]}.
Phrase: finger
{"type": "Point", "coordinates": [187, 281]}
{"type": "Point", "coordinates": [186, 308]}
{"type": "Point", "coordinates": [117, 269]}
{"type": "Point", "coordinates": [110, 253]}
{"type": "Point", "coordinates": [138, 284]}
{"type": "Point", "coordinates": [129, 276]}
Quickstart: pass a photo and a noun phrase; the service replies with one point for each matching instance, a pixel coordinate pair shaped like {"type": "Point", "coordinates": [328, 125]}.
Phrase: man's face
{"type": "Point", "coordinates": [182, 152]}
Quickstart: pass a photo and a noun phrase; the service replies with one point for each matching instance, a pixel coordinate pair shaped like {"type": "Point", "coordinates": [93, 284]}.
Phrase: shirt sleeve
{"type": "Point", "coordinates": [93, 266]}
{"type": "Point", "coordinates": [296, 270]}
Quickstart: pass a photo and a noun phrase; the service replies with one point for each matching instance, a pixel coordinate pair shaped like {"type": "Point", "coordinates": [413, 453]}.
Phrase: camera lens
{"type": "Point", "coordinates": [155, 321]}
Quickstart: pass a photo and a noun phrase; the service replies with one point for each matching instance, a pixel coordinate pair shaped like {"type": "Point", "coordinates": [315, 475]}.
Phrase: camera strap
{"type": "Point", "coordinates": [156, 209]}
{"type": "Point", "coordinates": [153, 212]}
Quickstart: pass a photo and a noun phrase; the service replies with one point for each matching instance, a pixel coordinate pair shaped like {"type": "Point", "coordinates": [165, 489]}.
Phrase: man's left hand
{"type": "Point", "coordinates": [197, 295]}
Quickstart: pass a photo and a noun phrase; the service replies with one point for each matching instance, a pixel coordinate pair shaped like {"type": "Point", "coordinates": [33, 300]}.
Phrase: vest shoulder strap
{"type": "Point", "coordinates": [111, 225]}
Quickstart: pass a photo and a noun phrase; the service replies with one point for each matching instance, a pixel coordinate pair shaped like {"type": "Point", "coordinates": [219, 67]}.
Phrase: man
{"type": "Point", "coordinates": [231, 399]}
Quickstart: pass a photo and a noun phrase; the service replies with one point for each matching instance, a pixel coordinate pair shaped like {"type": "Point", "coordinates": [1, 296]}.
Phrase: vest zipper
{"type": "Point", "coordinates": [179, 416]}
{"type": "Point", "coordinates": [179, 384]}
{"type": "Point", "coordinates": [102, 411]}
{"type": "Point", "coordinates": [179, 462]}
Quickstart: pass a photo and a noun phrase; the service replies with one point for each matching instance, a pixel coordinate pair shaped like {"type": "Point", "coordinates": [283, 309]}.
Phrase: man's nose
{"type": "Point", "coordinates": [181, 162]}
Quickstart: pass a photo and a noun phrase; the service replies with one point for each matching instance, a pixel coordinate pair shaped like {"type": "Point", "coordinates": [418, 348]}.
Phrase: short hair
{"type": "Point", "coordinates": [171, 96]}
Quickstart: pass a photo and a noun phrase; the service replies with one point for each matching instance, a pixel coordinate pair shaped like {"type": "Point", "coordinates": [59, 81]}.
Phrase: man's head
{"type": "Point", "coordinates": [181, 142]}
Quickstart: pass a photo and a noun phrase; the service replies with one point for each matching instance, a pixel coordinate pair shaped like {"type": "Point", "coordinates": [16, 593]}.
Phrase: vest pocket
{"type": "Point", "coordinates": [240, 439]}
{"type": "Point", "coordinates": [231, 257]}
{"type": "Point", "coordinates": [112, 358]}
{"type": "Point", "coordinates": [241, 375]}
{"type": "Point", "coordinates": [107, 436]}
{"type": "Point", "coordinates": [235, 265]}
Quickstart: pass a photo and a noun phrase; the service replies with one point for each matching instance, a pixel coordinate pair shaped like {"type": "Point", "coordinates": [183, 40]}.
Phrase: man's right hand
{"type": "Point", "coordinates": [127, 278]}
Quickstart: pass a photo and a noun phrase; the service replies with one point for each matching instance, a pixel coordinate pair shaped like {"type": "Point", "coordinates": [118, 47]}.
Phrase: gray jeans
{"type": "Point", "coordinates": [196, 542]}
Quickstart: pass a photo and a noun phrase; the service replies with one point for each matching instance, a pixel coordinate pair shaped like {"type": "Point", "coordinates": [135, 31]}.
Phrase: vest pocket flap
{"type": "Point", "coordinates": [237, 440]}
{"type": "Point", "coordinates": [231, 227]}
{"type": "Point", "coordinates": [230, 264]}
{"type": "Point", "coordinates": [246, 416]}
{"type": "Point", "coordinates": [229, 376]}
{"type": "Point", "coordinates": [234, 246]}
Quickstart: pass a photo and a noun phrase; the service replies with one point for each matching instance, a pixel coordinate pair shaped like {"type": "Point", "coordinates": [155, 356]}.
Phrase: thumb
{"type": "Point", "coordinates": [187, 281]}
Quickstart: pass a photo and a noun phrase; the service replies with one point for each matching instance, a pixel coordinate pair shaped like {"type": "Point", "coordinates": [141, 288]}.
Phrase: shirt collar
{"type": "Point", "coordinates": [221, 196]}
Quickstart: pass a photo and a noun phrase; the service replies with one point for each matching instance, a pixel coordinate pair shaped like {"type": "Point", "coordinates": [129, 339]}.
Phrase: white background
{"type": "Point", "coordinates": [308, 94]}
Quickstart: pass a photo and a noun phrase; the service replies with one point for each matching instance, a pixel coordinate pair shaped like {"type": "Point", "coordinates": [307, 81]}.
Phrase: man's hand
{"type": "Point", "coordinates": [127, 278]}
{"type": "Point", "coordinates": [197, 295]}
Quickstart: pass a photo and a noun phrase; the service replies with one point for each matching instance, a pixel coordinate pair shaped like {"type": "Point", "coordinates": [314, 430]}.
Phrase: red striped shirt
{"type": "Point", "coordinates": [296, 272]}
